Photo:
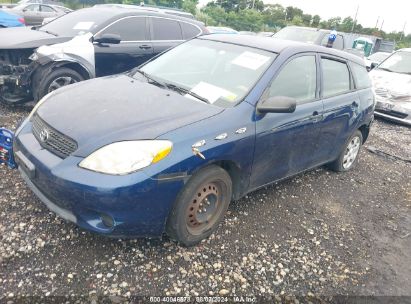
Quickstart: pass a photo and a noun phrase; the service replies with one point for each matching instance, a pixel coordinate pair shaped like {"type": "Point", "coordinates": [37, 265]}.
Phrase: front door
{"type": "Point", "coordinates": [134, 49]}
{"type": "Point", "coordinates": [287, 143]}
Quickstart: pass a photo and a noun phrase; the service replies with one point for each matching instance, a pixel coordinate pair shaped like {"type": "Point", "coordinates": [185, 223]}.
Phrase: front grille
{"type": "Point", "coordinates": [51, 139]}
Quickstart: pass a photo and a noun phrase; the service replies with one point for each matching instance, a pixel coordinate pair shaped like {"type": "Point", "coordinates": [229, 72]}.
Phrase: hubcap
{"type": "Point", "coordinates": [61, 82]}
{"type": "Point", "coordinates": [204, 208]}
{"type": "Point", "coordinates": [351, 152]}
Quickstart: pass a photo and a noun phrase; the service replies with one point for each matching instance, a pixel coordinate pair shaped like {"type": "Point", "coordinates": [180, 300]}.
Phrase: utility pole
{"type": "Point", "coordinates": [376, 24]}
{"type": "Point", "coordinates": [382, 23]}
{"type": "Point", "coordinates": [403, 30]}
{"type": "Point", "coordinates": [355, 18]}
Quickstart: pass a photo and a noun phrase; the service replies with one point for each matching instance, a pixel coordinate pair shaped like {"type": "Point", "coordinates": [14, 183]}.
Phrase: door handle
{"type": "Point", "coordinates": [145, 47]}
{"type": "Point", "coordinates": [316, 116]}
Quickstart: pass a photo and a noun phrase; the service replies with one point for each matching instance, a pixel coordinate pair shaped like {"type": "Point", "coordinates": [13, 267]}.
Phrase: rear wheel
{"type": "Point", "coordinates": [349, 155]}
{"type": "Point", "coordinates": [201, 206]}
{"type": "Point", "coordinates": [58, 78]}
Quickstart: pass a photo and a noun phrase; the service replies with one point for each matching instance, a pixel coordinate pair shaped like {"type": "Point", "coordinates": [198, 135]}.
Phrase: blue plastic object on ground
{"type": "Point", "coordinates": [6, 148]}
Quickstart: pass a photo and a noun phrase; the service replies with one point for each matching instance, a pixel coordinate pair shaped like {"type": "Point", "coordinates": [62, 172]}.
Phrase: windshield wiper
{"type": "Point", "coordinates": [149, 77]}
{"type": "Point", "coordinates": [186, 91]}
{"type": "Point", "coordinates": [385, 69]}
{"type": "Point", "coordinates": [48, 32]}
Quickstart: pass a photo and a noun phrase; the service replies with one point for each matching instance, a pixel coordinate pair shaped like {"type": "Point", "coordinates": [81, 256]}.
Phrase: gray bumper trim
{"type": "Point", "coordinates": [65, 214]}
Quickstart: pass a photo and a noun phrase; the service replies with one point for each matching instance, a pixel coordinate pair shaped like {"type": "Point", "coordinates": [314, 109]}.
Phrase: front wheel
{"type": "Point", "coordinates": [349, 155]}
{"type": "Point", "coordinates": [201, 206]}
{"type": "Point", "coordinates": [58, 78]}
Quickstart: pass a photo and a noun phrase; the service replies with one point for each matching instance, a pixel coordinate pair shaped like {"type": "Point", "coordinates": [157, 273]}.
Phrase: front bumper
{"type": "Point", "coordinates": [391, 112]}
{"type": "Point", "coordinates": [136, 204]}
{"type": "Point", "coordinates": [15, 83]}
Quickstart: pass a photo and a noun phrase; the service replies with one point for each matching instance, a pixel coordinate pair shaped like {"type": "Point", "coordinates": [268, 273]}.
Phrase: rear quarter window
{"type": "Point", "coordinates": [362, 80]}
{"type": "Point", "coordinates": [189, 30]}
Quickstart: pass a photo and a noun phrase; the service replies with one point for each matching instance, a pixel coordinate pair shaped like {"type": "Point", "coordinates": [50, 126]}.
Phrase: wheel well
{"type": "Point", "coordinates": [76, 67]}
{"type": "Point", "coordinates": [235, 174]}
{"type": "Point", "coordinates": [365, 131]}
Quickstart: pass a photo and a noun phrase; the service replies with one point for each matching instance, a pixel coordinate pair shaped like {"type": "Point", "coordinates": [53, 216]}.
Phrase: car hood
{"type": "Point", "coordinates": [25, 38]}
{"type": "Point", "coordinates": [100, 111]}
{"type": "Point", "coordinates": [392, 88]}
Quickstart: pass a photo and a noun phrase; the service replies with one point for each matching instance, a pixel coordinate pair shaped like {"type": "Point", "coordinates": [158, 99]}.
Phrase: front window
{"type": "Point", "coordinates": [399, 62]}
{"type": "Point", "coordinates": [221, 73]}
{"type": "Point", "coordinates": [298, 34]}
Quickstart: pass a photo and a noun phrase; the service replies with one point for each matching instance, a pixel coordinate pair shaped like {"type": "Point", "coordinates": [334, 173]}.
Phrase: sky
{"type": "Point", "coordinates": [394, 12]}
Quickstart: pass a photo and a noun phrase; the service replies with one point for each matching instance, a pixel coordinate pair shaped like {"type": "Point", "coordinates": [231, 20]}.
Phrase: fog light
{"type": "Point", "coordinates": [107, 220]}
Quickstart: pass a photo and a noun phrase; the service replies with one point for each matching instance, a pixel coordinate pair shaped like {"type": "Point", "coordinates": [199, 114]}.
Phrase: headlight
{"type": "Point", "coordinates": [125, 157]}
{"type": "Point", "coordinates": [41, 101]}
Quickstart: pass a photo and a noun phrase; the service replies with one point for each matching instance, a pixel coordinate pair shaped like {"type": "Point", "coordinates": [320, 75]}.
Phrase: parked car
{"type": "Point", "coordinates": [375, 59]}
{"type": "Point", "coordinates": [167, 146]}
{"type": "Point", "coordinates": [392, 84]}
{"type": "Point", "coordinates": [34, 13]}
{"type": "Point", "coordinates": [10, 20]}
{"type": "Point", "coordinates": [310, 35]}
{"type": "Point", "coordinates": [247, 33]}
{"type": "Point", "coordinates": [265, 34]}
{"type": "Point", "coordinates": [107, 40]}
{"type": "Point", "coordinates": [221, 30]}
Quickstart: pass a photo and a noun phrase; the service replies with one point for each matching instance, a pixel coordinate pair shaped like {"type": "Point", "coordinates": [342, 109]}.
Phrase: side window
{"type": "Point", "coordinates": [189, 30]}
{"type": "Point", "coordinates": [47, 9]}
{"type": "Point", "coordinates": [362, 80]}
{"type": "Point", "coordinates": [166, 29]}
{"type": "Point", "coordinates": [129, 29]}
{"type": "Point", "coordinates": [338, 43]}
{"type": "Point", "coordinates": [336, 77]}
{"type": "Point", "coordinates": [298, 79]}
{"type": "Point", "coordinates": [33, 8]}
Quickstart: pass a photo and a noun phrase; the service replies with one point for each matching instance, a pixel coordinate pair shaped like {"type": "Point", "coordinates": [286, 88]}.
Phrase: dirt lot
{"type": "Point", "coordinates": [320, 234]}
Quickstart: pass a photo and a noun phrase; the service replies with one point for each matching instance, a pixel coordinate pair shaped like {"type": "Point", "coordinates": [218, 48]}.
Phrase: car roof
{"type": "Point", "coordinates": [128, 9]}
{"type": "Point", "coordinates": [278, 45]}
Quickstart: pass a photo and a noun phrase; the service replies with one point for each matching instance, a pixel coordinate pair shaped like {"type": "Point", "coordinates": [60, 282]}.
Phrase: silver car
{"type": "Point", "coordinates": [392, 85]}
{"type": "Point", "coordinates": [34, 13]}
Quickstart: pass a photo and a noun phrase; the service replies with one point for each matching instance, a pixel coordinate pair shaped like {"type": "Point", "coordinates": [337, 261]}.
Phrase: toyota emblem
{"type": "Point", "coordinates": [44, 135]}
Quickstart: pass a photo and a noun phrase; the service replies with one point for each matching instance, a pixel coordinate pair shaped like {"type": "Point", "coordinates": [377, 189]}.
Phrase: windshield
{"type": "Point", "coordinates": [77, 22]}
{"type": "Point", "coordinates": [298, 34]}
{"type": "Point", "coordinates": [399, 62]}
{"type": "Point", "coordinates": [378, 57]}
{"type": "Point", "coordinates": [220, 73]}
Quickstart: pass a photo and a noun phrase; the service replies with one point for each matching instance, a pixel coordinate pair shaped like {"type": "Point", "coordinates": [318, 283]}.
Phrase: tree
{"type": "Point", "coordinates": [316, 21]}
{"type": "Point", "coordinates": [307, 18]}
{"type": "Point", "coordinates": [274, 15]}
{"type": "Point", "coordinates": [292, 12]}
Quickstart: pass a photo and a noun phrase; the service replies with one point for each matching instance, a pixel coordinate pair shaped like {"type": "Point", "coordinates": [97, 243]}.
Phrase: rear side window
{"type": "Point", "coordinates": [336, 77]}
{"type": "Point", "coordinates": [129, 29]}
{"type": "Point", "coordinates": [298, 79]}
{"type": "Point", "coordinates": [189, 30]}
{"type": "Point", "coordinates": [166, 29]}
{"type": "Point", "coordinates": [47, 9]}
{"type": "Point", "coordinates": [362, 80]}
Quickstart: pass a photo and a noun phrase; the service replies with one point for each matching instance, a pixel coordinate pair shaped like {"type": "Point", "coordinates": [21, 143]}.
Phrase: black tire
{"type": "Point", "coordinates": [210, 189]}
{"type": "Point", "coordinates": [343, 165]}
{"type": "Point", "coordinates": [60, 76]}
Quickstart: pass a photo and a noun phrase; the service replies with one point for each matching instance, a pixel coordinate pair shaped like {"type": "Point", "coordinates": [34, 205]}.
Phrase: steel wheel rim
{"type": "Point", "coordinates": [204, 208]}
{"type": "Point", "coordinates": [61, 82]}
{"type": "Point", "coordinates": [351, 152]}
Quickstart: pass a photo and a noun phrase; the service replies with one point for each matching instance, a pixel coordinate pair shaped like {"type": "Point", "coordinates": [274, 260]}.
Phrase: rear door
{"type": "Point", "coordinates": [47, 11]}
{"type": "Point", "coordinates": [134, 49]}
{"type": "Point", "coordinates": [31, 14]}
{"type": "Point", "coordinates": [287, 143]}
{"type": "Point", "coordinates": [341, 105]}
{"type": "Point", "coordinates": [165, 33]}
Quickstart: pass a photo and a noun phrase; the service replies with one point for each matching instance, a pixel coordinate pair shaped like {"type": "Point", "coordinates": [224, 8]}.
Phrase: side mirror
{"type": "Point", "coordinates": [277, 104]}
{"type": "Point", "coordinates": [373, 65]}
{"type": "Point", "coordinates": [108, 38]}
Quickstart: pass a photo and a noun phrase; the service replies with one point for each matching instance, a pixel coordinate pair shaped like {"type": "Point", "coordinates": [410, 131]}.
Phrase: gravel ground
{"type": "Point", "coordinates": [318, 234]}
